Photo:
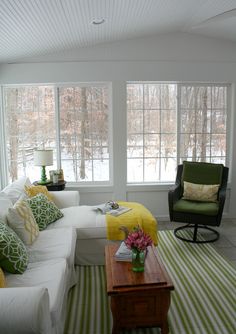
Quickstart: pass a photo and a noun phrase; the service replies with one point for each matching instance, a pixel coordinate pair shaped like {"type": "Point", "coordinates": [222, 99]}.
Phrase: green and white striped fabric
{"type": "Point", "coordinates": [203, 302]}
{"type": "Point", "coordinates": [88, 305]}
{"type": "Point", "coordinates": [204, 299]}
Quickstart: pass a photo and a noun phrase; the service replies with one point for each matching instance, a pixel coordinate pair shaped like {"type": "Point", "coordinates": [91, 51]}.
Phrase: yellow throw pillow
{"type": "Point", "coordinates": [35, 190]}
{"type": "Point", "coordinates": [2, 279]}
{"type": "Point", "coordinates": [21, 220]}
{"type": "Point", "coordinates": [200, 192]}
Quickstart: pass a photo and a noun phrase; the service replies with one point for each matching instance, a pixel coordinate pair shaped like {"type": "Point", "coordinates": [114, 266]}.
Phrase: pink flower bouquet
{"type": "Point", "coordinates": [138, 240]}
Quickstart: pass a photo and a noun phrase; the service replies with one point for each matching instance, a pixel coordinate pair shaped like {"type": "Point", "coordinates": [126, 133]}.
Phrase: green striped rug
{"type": "Point", "coordinates": [203, 302]}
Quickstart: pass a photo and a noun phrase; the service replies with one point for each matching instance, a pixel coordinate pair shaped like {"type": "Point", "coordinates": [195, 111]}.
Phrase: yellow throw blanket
{"type": "Point", "coordinates": [139, 215]}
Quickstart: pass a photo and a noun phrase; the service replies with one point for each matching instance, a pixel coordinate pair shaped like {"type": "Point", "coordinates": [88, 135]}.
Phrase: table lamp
{"type": "Point", "coordinates": [43, 158]}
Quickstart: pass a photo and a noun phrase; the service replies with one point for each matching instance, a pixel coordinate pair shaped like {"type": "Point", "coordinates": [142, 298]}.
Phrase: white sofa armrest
{"type": "Point", "coordinates": [25, 311]}
{"type": "Point", "coordinates": [66, 198]}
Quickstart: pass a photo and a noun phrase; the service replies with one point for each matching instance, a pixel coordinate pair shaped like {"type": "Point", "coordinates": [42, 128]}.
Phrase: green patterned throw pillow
{"type": "Point", "coordinates": [45, 212]}
{"type": "Point", "coordinates": [13, 253]}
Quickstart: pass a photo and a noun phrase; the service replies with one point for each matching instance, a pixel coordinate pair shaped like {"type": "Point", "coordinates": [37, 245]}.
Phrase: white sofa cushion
{"type": "Point", "coordinates": [65, 199]}
{"type": "Point", "coordinates": [25, 311]}
{"type": "Point", "coordinates": [5, 204]}
{"type": "Point", "coordinates": [52, 275]}
{"type": "Point", "coordinates": [53, 244]}
{"type": "Point", "coordinates": [89, 223]}
{"type": "Point", "coordinates": [16, 190]}
{"type": "Point", "coordinates": [90, 228]}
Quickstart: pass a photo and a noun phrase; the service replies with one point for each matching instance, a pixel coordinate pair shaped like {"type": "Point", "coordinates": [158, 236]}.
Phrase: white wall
{"type": "Point", "coordinates": [171, 57]}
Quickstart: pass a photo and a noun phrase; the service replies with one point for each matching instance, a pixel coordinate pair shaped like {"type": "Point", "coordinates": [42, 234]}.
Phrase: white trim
{"type": "Point", "coordinates": [230, 128]}
{"type": "Point", "coordinates": [90, 188]}
{"type": "Point", "coordinates": [3, 152]}
{"type": "Point", "coordinates": [178, 119]}
{"type": "Point", "coordinates": [83, 84]}
{"type": "Point", "coordinates": [154, 187]}
{"type": "Point", "coordinates": [184, 83]}
{"type": "Point", "coordinates": [110, 136]}
{"type": "Point", "coordinates": [58, 84]}
{"type": "Point", "coordinates": [57, 124]}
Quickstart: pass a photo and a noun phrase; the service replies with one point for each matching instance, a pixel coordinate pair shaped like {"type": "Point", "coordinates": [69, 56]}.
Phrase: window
{"type": "Point", "coordinates": [203, 112]}
{"type": "Point", "coordinates": [166, 124]}
{"type": "Point", "coordinates": [84, 135]}
{"type": "Point", "coordinates": [79, 137]}
{"type": "Point", "coordinates": [162, 132]}
{"type": "Point", "coordinates": [30, 123]}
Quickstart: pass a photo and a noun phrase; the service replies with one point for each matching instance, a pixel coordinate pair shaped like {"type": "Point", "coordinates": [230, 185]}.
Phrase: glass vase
{"type": "Point", "coordinates": [138, 258]}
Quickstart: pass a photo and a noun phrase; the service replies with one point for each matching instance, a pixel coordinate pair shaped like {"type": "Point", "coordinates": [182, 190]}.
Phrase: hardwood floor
{"type": "Point", "coordinates": [226, 245]}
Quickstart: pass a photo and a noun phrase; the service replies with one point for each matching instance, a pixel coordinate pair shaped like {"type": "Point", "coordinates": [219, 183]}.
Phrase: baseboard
{"type": "Point", "coordinates": [163, 218]}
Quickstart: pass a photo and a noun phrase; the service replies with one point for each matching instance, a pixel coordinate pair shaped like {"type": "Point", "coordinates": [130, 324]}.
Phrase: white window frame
{"type": "Point", "coordinates": [3, 150]}
{"type": "Point", "coordinates": [4, 177]}
{"type": "Point", "coordinates": [160, 184]}
{"type": "Point", "coordinates": [4, 165]}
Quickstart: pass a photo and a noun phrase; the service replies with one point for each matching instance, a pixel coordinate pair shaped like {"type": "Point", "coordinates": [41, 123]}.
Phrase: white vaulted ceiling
{"type": "Point", "coordinates": [39, 27]}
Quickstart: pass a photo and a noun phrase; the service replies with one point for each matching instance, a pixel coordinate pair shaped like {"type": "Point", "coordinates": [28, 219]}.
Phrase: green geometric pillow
{"type": "Point", "coordinates": [13, 253]}
{"type": "Point", "coordinates": [45, 212]}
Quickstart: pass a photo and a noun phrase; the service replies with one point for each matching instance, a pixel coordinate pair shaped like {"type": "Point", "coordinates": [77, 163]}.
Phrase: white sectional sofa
{"type": "Point", "coordinates": [90, 228]}
{"type": "Point", "coordinates": [34, 302]}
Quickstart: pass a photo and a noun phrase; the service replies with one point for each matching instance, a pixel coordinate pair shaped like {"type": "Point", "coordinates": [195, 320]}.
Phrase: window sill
{"type": "Point", "coordinates": [90, 187]}
{"type": "Point", "coordinates": [149, 187]}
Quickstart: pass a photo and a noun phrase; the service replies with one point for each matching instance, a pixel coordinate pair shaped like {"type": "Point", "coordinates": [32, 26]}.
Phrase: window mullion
{"type": "Point", "coordinates": [228, 126]}
{"type": "Point", "coordinates": [92, 142]}
{"type": "Point", "coordinates": [195, 126]}
{"type": "Point", "coordinates": [3, 148]}
{"type": "Point", "coordinates": [143, 133]}
{"type": "Point", "coordinates": [160, 134]}
{"type": "Point", "coordinates": [57, 124]}
{"type": "Point", "coordinates": [178, 123]}
{"type": "Point", "coordinates": [211, 128]}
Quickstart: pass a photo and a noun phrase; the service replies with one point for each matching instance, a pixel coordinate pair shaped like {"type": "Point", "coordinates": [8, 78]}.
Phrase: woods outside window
{"type": "Point", "coordinates": [169, 123]}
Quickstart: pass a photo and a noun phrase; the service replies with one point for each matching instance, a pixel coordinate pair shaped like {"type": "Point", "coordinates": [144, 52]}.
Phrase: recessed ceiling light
{"type": "Point", "coordinates": [98, 21]}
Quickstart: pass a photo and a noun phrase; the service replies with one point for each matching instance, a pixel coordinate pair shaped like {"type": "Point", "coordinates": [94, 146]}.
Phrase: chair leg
{"type": "Point", "coordinates": [195, 233]}
{"type": "Point", "coordinates": [195, 239]}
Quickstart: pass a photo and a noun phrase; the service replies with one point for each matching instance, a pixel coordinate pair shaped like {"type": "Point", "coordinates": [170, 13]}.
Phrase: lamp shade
{"type": "Point", "coordinates": [43, 157]}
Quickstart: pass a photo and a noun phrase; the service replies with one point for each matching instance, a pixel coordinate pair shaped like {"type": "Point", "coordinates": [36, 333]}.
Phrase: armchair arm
{"type": "Point", "coordinates": [25, 311]}
{"type": "Point", "coordinates": [222, 193]}
{"type": "Point", "coordinates": [173, 196]}
{"type": "Point", "coordinates": [222, 197]}
{"type": "Point", "coordinates": [65, 198]}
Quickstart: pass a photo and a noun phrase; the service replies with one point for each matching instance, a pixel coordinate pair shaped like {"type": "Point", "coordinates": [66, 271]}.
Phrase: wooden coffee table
{"type": "Point", "coordinates": [138, 299]}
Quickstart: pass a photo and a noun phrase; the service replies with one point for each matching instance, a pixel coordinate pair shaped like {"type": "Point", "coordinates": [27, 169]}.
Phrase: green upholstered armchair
{"type": "Point", "coordinates": [193, 201]}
